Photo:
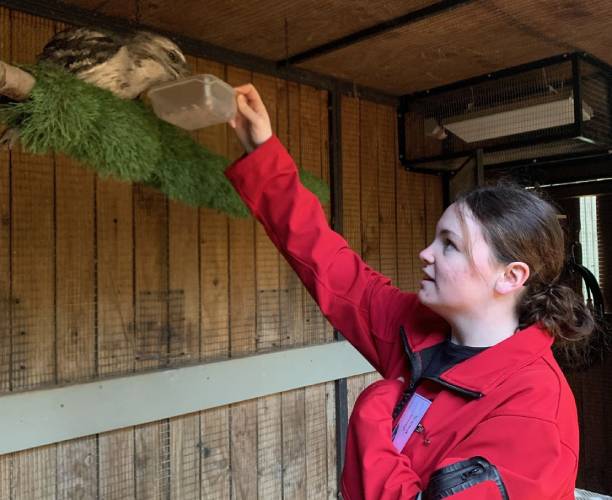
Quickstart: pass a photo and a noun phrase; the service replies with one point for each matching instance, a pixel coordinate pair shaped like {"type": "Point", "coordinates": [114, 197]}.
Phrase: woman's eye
{"type": "Point", "coordinates": [449, 243]}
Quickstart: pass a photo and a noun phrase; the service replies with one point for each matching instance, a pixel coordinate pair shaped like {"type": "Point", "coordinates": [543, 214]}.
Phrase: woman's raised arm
{"type": "Point", "coordinates": [358, 301]}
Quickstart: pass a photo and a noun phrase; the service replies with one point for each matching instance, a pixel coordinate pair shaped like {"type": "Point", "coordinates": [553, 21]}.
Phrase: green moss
{"type": "Point", "coordinates": [125, 140]}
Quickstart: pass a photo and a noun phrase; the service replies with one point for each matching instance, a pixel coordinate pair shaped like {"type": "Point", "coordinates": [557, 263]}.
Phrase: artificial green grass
{"type": "Point", "coordinates": [125, 140]}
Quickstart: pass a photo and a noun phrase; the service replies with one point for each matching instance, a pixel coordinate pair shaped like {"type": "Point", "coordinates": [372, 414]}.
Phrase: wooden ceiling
{"type": "Point", "coordinates": [445, 41]}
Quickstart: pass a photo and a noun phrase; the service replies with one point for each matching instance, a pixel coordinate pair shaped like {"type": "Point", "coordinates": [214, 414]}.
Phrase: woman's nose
{"type": "Point", "coordinates": [426, 255]}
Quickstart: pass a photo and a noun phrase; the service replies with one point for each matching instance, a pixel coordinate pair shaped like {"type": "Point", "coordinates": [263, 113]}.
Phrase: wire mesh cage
{"type": "Point", "coordinates": [558, 106]}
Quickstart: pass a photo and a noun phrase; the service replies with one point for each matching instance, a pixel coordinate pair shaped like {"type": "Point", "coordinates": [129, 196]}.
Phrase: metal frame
{"type": "Point", "coordinates": [376, 30]}
{"type": "Point", "coordinates": [575, 169]}
{"type": "Point", "coordinates": [577, 90]}
{"type": "Point", "coordinates": [496, 75]}
{"type": "Point", "coordinates": [573, 131]}
{"type": "Point", "coordinates": [471, 152]}
{"type": "Point", "coordinates": [334, 107]}
{"type": "Point", "coordinates": [574, 190]}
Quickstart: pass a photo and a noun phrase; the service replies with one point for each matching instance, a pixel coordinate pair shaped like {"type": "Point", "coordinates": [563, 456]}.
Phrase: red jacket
{"type": "Point", "coordinates": [509, 404]}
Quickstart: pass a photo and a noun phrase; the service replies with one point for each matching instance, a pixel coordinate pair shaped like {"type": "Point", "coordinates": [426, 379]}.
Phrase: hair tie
{"type": "Point", "coordinates": [548, 289]}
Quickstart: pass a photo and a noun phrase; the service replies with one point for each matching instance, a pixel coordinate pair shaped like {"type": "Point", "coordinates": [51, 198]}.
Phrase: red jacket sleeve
{"type": "Point", "coordinates": [537, 466]}
{"type": "Point", "coordinates": [357, 301]}
{"type": "Point", "coordinates": [384, 474]}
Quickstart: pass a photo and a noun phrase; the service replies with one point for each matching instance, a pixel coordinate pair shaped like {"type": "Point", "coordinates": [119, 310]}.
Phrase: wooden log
{"type": "Point", "coordinates": [15, 83]}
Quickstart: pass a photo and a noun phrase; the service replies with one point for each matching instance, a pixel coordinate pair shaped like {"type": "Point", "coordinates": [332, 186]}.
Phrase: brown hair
{"type": "Point", "coordinates": [519, 225]}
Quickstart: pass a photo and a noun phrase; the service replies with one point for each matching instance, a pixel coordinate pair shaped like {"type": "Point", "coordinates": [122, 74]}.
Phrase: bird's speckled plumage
{"type": "Point", "coordinates": [127, 64]}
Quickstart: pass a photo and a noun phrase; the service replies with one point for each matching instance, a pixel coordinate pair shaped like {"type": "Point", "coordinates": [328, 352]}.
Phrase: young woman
{"type": "Point", "coordinates": [473, 404]}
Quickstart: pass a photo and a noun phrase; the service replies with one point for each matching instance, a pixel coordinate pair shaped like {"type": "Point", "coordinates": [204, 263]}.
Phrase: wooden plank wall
{"type": "Point", "coordinates": [5, 263]}
{"type": "Point", "coordinates": [102, 278]}
{"type": "Point", "coordinates": [389, 215]}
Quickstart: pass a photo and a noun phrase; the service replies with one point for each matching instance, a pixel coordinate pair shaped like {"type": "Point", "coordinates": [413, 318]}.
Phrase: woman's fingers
{"type": "Point", "coordinates": [245, 88]}
{"type": "Point", "coordinates": [244, 107]}
{"type": "Point", "coordinates": [252, 122]}
{"type": "Point", "coordinates": [249, 90]}
{"type": "Point", "coordinates": [252, 96]}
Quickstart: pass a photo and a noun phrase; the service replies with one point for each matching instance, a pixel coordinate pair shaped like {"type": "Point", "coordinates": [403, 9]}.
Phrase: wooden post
{"type": "Point", "coordinates": [215, 343]}
{"type": "Point", "coordinates": [14, 82]}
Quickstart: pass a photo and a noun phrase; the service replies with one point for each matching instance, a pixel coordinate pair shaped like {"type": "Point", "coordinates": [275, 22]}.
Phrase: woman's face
{"type": "Point", "coordinates": [455, 283]}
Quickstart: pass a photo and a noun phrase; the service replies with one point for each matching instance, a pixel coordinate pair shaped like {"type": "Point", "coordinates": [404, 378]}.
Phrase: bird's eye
{"type": "Point", "coordinates": [173, 56]}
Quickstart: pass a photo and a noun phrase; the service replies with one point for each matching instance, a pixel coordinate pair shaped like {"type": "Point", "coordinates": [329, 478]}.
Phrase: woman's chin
{"type": "Point", "coordinates": [427, 298]}
{"type": "Point", "coordinates": [424, 296]}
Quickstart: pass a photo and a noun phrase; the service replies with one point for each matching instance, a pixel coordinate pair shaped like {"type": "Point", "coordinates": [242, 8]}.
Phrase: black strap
{"type": "Point", "coordinates": [460, 476]}
{"type": "Point", "coordinates": [592, 286]}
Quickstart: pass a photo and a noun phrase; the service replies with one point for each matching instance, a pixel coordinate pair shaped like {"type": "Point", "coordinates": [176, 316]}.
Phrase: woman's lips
{"type": "Point", "coordinates": [426, 279]}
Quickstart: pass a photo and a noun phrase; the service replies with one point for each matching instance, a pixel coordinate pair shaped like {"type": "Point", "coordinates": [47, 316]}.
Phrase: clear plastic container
{"type": "Point", "coordinates": [194, 102]}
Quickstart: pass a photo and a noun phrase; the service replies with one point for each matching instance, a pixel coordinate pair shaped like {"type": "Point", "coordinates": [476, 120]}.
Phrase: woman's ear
{"type": "Point", "coordinates": [513, 278]}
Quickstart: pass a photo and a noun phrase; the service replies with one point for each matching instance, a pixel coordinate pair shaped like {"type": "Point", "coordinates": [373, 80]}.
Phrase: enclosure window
{"type": "Point", "coordinates": [588, 236]}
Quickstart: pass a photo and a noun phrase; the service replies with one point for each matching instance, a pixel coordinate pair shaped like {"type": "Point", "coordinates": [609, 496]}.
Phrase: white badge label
{"type": "Point", "coordinates": [412, 415]}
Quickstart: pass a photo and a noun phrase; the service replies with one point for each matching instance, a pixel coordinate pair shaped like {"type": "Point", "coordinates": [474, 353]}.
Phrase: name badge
{"type": "Point", "coordinates": [412, 415]}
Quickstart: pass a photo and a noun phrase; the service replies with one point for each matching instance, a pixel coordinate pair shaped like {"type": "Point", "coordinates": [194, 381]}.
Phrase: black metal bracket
{"type": "Point", "coordinates": [558, 169]}
{"type": "Point", "coordinates": [572, 131]}
{"type": "Point", "coordinates": [334, 108]}
{"type": "Point", "coordinates": [495, 75]}
{"type": "Point", "coordinates": [402, 145]}
{"type": "Point", "coordinates": [577, 91]}
{"type": "Point", "coordinates": [376, 30]}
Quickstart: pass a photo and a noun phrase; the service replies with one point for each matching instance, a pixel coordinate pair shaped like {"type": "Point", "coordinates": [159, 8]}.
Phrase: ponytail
{"type": "Point", "coordinates": [559, 309]}
{"type": "Point", "coordinates": [519, 225]}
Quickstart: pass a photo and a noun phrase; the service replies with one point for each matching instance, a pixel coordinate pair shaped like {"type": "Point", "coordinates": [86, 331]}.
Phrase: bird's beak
{"type": "Point", "coordinates": [184, 71]}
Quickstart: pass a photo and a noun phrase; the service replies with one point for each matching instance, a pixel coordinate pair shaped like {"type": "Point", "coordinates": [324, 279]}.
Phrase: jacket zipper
{"type": "Point", "coordinates": [415, 375]}
{"type": "Point", "coordinates": [416, 370]}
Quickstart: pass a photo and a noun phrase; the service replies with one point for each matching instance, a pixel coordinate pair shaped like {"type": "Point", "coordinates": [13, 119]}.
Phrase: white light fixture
{"type": "Point", "coordinates": [517, 121]}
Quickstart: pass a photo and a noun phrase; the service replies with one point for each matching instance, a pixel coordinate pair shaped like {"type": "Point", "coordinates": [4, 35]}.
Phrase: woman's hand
{"type": "Point", "coordinates": [251, 123]}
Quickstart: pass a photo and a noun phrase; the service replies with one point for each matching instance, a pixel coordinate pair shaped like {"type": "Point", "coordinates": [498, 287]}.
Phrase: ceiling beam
{"type": "Point", "coordinates": [373, 31]}
{"type": "Point", "coordinates": [77, 16]}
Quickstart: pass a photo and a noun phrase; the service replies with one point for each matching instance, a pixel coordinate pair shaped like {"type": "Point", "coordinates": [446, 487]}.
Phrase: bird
{"type": "Point", "coordinates": [125, 63]}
